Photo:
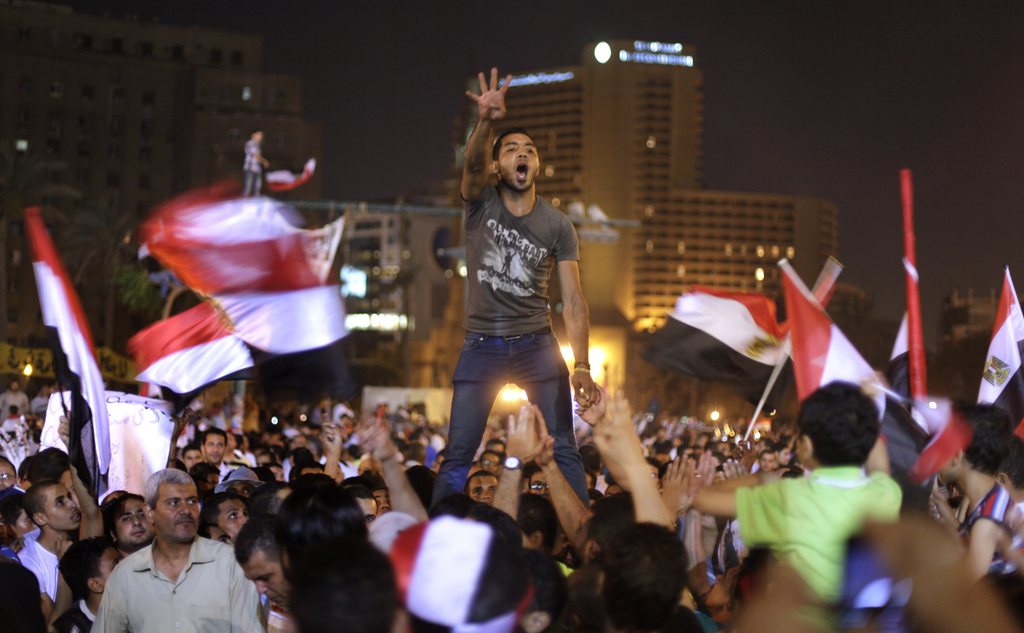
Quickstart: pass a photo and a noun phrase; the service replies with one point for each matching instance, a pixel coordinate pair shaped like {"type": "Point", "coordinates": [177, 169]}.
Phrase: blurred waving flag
{"type": "Point", "coordinates": [284, 180]}
{"type": "Point", "coordinates": [74, 355]}
{"type": "Point", "coordinates": [950, 435]}
{"type": "Point", "coordinates": [1002, 382]}
{"type": "Point", "coordinates": [265, 291]}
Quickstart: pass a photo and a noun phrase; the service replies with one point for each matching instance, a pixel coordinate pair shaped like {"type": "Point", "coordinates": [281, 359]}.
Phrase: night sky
{"type": "Point", "coordinates": [823, 98]}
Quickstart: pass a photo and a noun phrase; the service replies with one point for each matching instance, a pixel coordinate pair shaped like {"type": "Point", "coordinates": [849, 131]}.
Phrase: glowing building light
{"type": "Point", "coordinates": [602, 52]}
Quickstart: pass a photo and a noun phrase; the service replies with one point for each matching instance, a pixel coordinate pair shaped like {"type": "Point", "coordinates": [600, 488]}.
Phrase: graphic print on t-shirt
{"type": "Point", "coordinates": [510, 261]}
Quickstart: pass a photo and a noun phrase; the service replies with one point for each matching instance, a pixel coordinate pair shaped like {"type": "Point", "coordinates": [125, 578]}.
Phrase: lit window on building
{"type": "Point", "coordinates": [57, 89]}
{"type": "Point", "coordinates": [649, 211]}
{"type": "Point", "coordinates": [556, 202]}
{"type": "Point", "coordinates": [759, 273]}
{"type": "Point", "coordinates": [549, 171]}
{"type": "Point", "coordinates": [651, 142]}
{"type": "Point", "coordinates": [649, 246]}
{"type": "Point", "coordinates": [760, 251]}
{"type": "Point", "coordinates": [728, 249]}
{"type": "Point", "coordinates": [680, 271]}
{"type": "Point", "coordinates": [775, 251]}
{"type": "Point", "coordinates": [790, 252]}
{"type": "Point", "coordinates": [681, 247]}
{"type": "Point", "coordinates": [21, 145]}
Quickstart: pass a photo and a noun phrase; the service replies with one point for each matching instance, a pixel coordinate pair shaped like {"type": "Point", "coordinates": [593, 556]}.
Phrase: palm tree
{"type": "Point", "coordinates": [23, 182]}
{"type": "Point", "coordinates": [99, 242]}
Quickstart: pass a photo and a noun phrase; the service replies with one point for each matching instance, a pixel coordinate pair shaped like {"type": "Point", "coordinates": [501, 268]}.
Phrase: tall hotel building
{"type": "Point", "coordinates": [623, 130]}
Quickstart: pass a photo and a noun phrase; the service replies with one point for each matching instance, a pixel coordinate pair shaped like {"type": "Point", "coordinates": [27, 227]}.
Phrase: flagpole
{"type": "Point", "coordinates": [787, 347]}
{"type": "Point", "coordinates": [915, 337]}
{"type": "Point", "coordinates": [822, 291]}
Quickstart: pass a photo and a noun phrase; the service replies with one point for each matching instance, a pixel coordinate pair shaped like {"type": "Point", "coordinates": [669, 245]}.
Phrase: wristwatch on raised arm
{"type": "Point", "coordinates": [513, 463]}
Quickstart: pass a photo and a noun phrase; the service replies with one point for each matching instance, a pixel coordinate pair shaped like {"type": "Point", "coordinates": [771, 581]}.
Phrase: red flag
{"type": "Point", "coordinates": [1002, 380]}
{"type": "Point", "coordinates": [74, 353]}
{"type": "Point", "coordinates": [950, 435]}
{"type": "Point", "coordinates": [821, 352]}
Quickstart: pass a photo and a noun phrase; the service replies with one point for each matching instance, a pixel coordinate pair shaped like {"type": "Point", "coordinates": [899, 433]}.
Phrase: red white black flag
{"type": "Point", "coordinates": [284, 180]}
{"type": "Point", "coordinates": [248, 256]}
{"type": "Point", "coordinates": [74, 355]}
{"type": "Point", "coordinates": [721, 336]}
{"type": "Point", "coordinates": [1002, 382]}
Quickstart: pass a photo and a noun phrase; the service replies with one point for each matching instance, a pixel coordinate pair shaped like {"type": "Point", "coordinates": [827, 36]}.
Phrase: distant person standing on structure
{"type": "Point", "coordinates": [513, 240]}
{"type": "Point", "coordinates": [254, 164]}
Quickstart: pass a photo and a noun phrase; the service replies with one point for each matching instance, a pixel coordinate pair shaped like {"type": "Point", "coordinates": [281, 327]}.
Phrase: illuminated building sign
{"type": "Point", "coordinates": [379, 322]}
{"type": "Point", "coordinates": [662, 53]}
{"type": "Point", "coordinates": [534, 79]}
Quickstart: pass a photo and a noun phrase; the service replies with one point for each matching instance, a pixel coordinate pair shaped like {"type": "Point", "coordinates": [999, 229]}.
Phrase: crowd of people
{"type": "Point", "coordinates": [332, 524]}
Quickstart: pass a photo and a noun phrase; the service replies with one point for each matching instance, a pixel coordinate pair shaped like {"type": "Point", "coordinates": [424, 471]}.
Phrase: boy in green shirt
{"type": "Point", "coordinates": [807, 521]}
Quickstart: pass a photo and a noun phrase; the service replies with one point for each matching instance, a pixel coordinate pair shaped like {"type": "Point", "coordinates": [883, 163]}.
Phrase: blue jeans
{"type": "Point", "coordinates": [252, 183]}
{"type": "Point", "coordinates": [534, 363]}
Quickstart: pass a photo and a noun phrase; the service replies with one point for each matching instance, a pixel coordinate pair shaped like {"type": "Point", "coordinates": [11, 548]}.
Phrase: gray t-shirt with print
{"type": "Point", "coordinates": [509, 262]}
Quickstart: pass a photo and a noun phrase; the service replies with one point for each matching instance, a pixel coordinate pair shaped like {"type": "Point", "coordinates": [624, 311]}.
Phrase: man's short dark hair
{"type": "Point", "coordinates": [610, 516]}
{"type": "Point", "coordinates": [841, 422]}
{"type": "Point", "coordinates": [644, 576]}
{"type": "Point", "coordinates": [265, 500]}
{"type": "Point", "coordinates": [457, 505]}
{"type": "Point", "coordinates": [991, 440]}
{"type": "Point", "coordinates": [214, 431]}
{"type": "Point", "coordinates": [201, 470]}
{"type": "Point", "coordinates": [497, 142]}
{"type": "Point", "coordinates": [114, 509]}
{"type": "Point", "coordinates": [342, 585]}
{"type": "Point", "coordinates": [191, 446]}
{"type": "Point", "coordinates": [316, 511]}
{"type": "Point", "coordinates": [536, 514]}
{"type": "Point", "coordinates": [49, 464]}
{"type": "Point", "coordinates": [257, 535]}
{"type": "Point", "coordinates": [477, 475]}
{"type": "Point", "coordinates": [422, 481]}
{"type": "Point", "coordinates": [82, 562]}
{"type": "Point", "coordinates": [503, 525]}
{"type": "Point", "coordinates": [591, 459]}
{"type": "Point", "coordinates": [210, 511]}
{"type": "Point", "coordinates": [1013, 464]}
{"type": "Point", "coordinates": [35, 499]}
{"type": "Point", "coordinates": [10, 509]}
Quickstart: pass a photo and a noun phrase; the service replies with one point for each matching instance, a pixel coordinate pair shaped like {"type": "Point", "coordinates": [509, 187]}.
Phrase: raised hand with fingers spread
{"type": "Point", "coordinates": [491, 100]}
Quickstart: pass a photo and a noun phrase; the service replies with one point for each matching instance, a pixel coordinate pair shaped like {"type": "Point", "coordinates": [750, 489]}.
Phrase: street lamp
{"type": "Point", "coordinates": [715, 415]}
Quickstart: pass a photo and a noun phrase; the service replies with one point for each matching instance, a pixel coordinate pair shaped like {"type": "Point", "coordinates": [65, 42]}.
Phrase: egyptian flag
{"type": "Point", "coordinates": [74, 356]}
{"type": "Point", "coordinates": [713, 335]}
{"type": "Point", "coordinates": [950, 435]}
{"type": "Point", "coordinates": [284, 180]}
{"type": "Point", "coordinates": [188, 352]}
{"type": "Point", "coordinates": [821, 352]}
{"type": "Point", "coordinates": [249, 258]}
{"type": "Point", "coordinates": [1002, 382]}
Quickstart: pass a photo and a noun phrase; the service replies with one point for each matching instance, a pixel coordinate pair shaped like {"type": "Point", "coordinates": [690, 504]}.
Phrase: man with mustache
{"type": "Point", "coordinates": [182, 582]}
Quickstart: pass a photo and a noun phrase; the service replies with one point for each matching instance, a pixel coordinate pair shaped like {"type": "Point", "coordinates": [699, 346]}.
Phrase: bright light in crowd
{"type": "Point", "coordinates": [512, 393]}
{"type": "Point", "coordinates": [715, 415]}
{"type": "Point", "coordinates": [757, 436]}
{"type": "Point", "coordinates": [273, 420]}
{"type": "Point", "coordinates": [602, 52]}
{"type": "Point", "coordinates": [933, 405]}
{"type": "Point", "coordinates": [28, 370]}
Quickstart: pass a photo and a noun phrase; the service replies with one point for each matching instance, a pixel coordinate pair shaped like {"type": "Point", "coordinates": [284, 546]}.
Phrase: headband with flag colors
{"type": "Point", "coordinates": [74, 353]}
{"type": "Point", "coordinates": [1002, 382]}
{"type": "Point", "coordinates": [821, 352]}
{"type": "Point", "coordinates": [284, 180]}
{"type": "Point", "coordinates": [439, 567]}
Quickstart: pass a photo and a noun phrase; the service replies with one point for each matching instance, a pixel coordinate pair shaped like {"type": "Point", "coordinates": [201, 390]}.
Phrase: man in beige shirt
{"type": "Point", "coordinates": [181, 583]}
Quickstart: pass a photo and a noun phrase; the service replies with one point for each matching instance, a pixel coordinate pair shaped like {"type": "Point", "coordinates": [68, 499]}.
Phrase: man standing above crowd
{"type": "Point", "coordinates": [181, 582]}
{"type": "Point", "coordinates": [513, 241]}
{"type": "Point", "coordinates": [14, 397]}
{"type": "Point", "coordinates": [254, 164]}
